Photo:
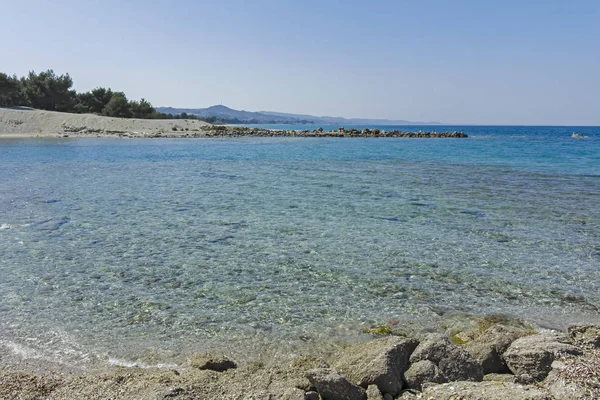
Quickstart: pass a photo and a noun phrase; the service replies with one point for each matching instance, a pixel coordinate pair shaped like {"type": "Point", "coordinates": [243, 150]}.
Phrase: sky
{"type": "Point", "coordinates": [521, 62]}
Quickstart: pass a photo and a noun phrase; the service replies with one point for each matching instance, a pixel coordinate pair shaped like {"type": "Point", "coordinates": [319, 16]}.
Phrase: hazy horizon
{"type": "Point", "coordinates": [459, 63]}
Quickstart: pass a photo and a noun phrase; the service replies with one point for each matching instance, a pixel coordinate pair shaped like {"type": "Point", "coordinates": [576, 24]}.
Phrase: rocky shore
{"type": "Point", "coordinates": [29, 123]}
{"type": "Point", "coordinates": [495, 358]}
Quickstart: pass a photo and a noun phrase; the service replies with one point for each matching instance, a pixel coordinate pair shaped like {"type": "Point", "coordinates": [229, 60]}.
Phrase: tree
{"type": "Point", "coordinates": [85, 102]}
{"type": "Point", "coordinates": [101, 97]}
{"type": "Point", "coordinates": [11, 91]}
{"type": "Point", "coordinates": [141, 109]}
{"type": "Point", "coordinates": [118, 106]}
{"type": "Point", "coordinates": [48, 91]}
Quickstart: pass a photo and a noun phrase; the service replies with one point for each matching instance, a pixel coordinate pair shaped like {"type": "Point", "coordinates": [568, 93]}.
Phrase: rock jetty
{"type": "Point", "coordinates": [505, 359]}
{"type": "Point", "coordinates": [231, 131]}
{"type": "Point", "coordinates": [223, 131]}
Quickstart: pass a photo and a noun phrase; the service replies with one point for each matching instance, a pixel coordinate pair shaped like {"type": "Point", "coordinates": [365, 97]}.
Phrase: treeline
{"type": "Point", "coordinates": [48, 91]}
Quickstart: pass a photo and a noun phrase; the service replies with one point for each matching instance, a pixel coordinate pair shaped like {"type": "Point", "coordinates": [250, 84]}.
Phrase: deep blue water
{"type": "Point", "coordinates": [145, 250]}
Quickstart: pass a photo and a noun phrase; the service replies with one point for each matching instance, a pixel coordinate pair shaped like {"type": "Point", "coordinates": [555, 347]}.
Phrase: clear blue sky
{"type": "Point", "coordinates": [480, 61]}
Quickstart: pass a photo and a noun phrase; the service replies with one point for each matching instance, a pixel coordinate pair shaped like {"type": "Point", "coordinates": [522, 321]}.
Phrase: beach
{"type": "Point", "coordinates": [27, 123]}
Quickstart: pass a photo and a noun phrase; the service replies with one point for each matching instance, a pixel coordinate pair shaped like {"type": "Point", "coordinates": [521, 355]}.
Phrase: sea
{"type": "Point", "coordinates": [144, 251]}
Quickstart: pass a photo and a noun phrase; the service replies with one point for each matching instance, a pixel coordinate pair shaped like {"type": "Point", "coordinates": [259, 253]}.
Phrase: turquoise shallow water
{"type": "Point", "coordinates": [145, 250]}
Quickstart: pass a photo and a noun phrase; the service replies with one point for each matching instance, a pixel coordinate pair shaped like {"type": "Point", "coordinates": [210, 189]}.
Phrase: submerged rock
{"type": "Point", "coordinates": [212, 362]}
{"type": "Point", "coordinates": [380, 362]}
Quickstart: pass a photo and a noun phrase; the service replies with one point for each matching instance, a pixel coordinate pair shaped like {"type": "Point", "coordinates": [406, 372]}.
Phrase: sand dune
{"type": "Point", "coordinates": [26, 122]}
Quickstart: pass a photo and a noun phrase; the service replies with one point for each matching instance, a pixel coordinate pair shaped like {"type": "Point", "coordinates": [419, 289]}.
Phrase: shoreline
{"type": "Point", "coordinates": [474, 357]}
{"type": "Point", "coordinates": [30, 123]}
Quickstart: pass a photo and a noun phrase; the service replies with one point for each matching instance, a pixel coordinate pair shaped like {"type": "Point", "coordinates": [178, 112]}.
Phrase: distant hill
{"type": "Point", "coordinates": [350, 121]}
{"type": "Point", "coordinates": [225, 114]}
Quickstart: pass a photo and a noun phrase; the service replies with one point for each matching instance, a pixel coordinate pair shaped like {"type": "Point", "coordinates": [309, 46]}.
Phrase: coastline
{"type": "Point", "coordinates": [30, 124]}
{"type": "Point", "coordinates": [474, 357]}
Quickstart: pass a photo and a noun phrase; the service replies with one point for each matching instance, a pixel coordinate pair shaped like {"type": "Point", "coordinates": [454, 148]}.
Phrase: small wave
{"type": "Point", "coordinates": [131, 364]}
{"type": "Point", "coordinates": [11, 226]}
{"type": "Point", "coordinates": [23, 352]}
{"type": "Point", "coordinates": [51, 346]}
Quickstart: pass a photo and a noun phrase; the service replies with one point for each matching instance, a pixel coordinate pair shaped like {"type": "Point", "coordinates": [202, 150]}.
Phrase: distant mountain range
{"type": "Point", "coordinates": [224, 114]}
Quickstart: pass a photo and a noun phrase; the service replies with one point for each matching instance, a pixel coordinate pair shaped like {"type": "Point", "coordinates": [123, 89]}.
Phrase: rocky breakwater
{"type": "Point", "coordinates": [228, 131]}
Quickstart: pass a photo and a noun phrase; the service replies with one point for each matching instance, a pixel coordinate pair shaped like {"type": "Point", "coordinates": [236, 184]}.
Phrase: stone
{"type": "Point", "coordinates": [482, 391]}
{"type": "Point", "coordinates": [310, 395]}
{"type": "Point", "coordinates": [373, 393]}
{"type": "Point", "coordinates": [585, 335]}
{"type": "Point", "coordinates": [533, 355]}
{"type": "Point", "coordinates": [213, 363]}
{"type": "Point", "coordinates": [380, 362]}
{"type": "Point", "coordinates": [421, 372]}
{"type": "Point", "coordinates": [454, 363]}
{"type": "Point", "coordinates": [333, 386]}
{"type": "Point", "coordinates": [488, 348]}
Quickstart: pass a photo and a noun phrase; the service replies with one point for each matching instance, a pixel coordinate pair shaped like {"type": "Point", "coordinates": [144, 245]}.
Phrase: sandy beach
{"type": "Point", "coordinates": [26, 123]}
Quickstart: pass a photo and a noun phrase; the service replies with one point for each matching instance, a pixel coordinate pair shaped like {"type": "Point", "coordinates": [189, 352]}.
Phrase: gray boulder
{"type": "Point", "coordinates": [585, 335]}
{"type": "Point", "coordinates": [380, 362]}
{"type": "Point", "coordinates": [454, 363]}
{"type": "Point", "coordinates": [422, 372]}
{"type": "Point", "coordinates": [488, 348]}
{"type": "Point", "coordinates": [533, 355]}
{"type": "Point", "coordinates": [333, 386]}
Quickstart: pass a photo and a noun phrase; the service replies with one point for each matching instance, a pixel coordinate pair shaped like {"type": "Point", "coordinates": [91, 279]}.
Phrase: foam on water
{"type": "Point", "coordinates": [11, 226]}
{"type": "Point", "coordinates": [142, 252]}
